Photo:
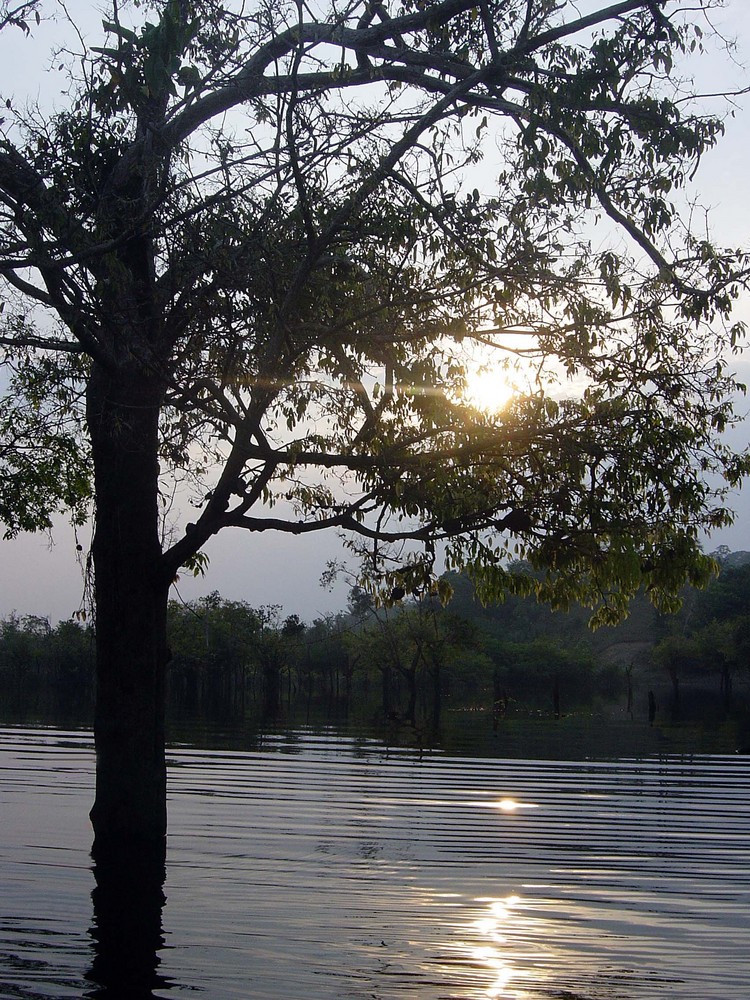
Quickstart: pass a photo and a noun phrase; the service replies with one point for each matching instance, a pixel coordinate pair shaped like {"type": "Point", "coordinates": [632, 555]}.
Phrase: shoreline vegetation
{"type": "Point", "coordinates": [406, 665]}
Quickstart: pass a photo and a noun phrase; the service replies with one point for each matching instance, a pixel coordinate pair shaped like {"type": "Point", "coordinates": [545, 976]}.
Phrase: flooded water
{"type": "Point", "coordinates": [321, 866]}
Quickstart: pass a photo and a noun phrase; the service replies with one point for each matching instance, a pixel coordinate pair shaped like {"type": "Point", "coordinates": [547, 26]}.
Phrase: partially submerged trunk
{"type": "Point", "coordinates": [131, 601]}
{"type": "Point", "coordinates": [127, 932]}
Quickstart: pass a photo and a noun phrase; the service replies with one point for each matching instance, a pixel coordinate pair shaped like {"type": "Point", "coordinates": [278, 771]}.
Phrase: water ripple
{"type": "Point", "coordinates": [346, 870]}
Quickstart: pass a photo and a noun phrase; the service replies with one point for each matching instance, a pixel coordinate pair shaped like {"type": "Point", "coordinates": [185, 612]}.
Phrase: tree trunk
{"type": "Point", "coordinates": [437, 690]}
{"type": "Point", "coordinates": [410, 676]}
{"type": "Point", "coordinates": [385, 671]}
{"type": "Point", "coordinates": [271, 686]}
{"type": "Point", "coordinates": [127, 933]}
{"type": "Point", "coordinates": [131, 603]}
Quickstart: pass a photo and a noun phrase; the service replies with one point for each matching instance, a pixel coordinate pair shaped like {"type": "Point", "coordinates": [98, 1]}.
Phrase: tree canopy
{"type": "Point", "coordinates": [296, 221]}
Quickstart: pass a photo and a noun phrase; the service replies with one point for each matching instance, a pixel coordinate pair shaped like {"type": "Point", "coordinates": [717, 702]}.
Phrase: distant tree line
{"type": "Point", "coordinates": [44, 669]}
{"type": "Point", "coordinates": [710, 637]}
{"type": "Point", "coordinates": [403, 662]}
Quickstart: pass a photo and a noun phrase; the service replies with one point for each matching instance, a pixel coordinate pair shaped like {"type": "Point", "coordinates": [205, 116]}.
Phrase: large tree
{"type": "Point", "coordinates": [258, 241]}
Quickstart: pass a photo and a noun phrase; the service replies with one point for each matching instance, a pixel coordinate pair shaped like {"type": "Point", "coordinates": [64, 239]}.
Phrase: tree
{"type": "Point", "coordinates": [257, 241]}
{"type": "Point", "coordinates": [41, 667]}
{"type": "Point", "coordinates": [714, 636]}
{"type": "Point", "coordinates": [212, 644]}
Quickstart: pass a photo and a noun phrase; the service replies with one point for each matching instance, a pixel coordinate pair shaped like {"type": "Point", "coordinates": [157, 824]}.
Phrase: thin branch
{"type": "Point", "coordinates": [33, 291]}
{"type": "Point", "coordinates": [613, 12]}
{"type": "Point", "coordinates": [43, 343]}
{"type": "Point", "coordinates": [344, 521]}
{"type": "Point", "coordinates": [17, 16]}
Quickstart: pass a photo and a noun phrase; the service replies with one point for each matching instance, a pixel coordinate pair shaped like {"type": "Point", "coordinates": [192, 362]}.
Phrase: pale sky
{"type": "Point", "coordinates": [40, 575]}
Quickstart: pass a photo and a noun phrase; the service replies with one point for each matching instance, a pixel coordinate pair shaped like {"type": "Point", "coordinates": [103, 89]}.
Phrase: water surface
{"type": "Point", "coordinates": [322, 866]}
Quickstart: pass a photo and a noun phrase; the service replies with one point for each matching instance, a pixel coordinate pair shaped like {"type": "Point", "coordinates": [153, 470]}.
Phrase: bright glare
{"type": "Point", "coordinates": [500, 907]}
{"type": "Point", "coordinates": [488, 389]}
{"type": "Point", "coordinates": [492, 956]}
{"type": "Point", "coordinates": [507, 805]}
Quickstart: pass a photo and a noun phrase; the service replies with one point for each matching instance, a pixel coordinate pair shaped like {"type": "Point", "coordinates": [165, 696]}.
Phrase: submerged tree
{"type": "Point", "coordinates": [258, 240]}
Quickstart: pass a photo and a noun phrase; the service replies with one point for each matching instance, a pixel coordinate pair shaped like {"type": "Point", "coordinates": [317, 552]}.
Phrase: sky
{"type": "Point", "coordinates": [41, 574]}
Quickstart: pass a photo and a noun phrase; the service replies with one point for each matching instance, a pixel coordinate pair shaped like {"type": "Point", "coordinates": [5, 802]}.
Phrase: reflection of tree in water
{"type": "Point", "coordinates": [127, 927]}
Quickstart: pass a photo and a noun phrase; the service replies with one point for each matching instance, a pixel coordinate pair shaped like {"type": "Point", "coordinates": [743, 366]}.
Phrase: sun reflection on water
{"type": "Point", "coordinates": [500, 912]}
{"type": "Point", "coordinates": [499, 950]}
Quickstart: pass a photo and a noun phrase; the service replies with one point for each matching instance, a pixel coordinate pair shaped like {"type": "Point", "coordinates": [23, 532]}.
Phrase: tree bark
{"type": "Point", "coordinates": [131, 602]}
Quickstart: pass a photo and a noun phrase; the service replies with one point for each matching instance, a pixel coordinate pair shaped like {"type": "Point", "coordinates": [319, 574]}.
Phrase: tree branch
{"type": "Point", "coordinates": [27, 188]}
{"type": "Point", "coordinates": [17, 16]}
{"type": "Point", "coordinates": [43, 343]}
{"type": "Point", "coordinates": [616, 10]}
{"type": "Point", "coordinates": [33, 291]}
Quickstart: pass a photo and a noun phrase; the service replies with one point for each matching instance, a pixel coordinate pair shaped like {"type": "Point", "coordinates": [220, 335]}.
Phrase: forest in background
{"type": "Point", "coordinates": [413, 660]}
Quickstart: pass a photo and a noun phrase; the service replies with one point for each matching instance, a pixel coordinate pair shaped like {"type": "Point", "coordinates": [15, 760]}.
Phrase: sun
{"type": "Point", "coordinates": [489, 389]}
